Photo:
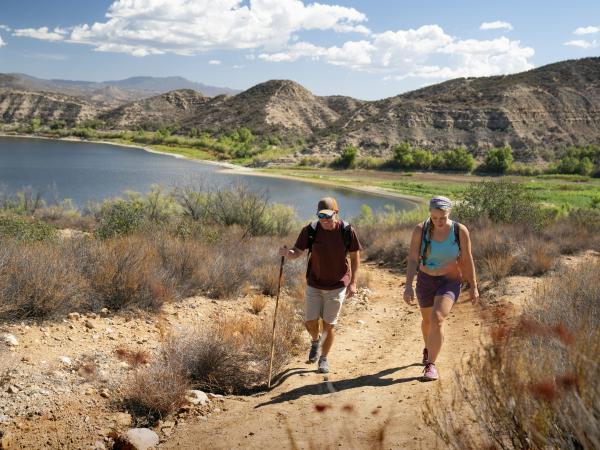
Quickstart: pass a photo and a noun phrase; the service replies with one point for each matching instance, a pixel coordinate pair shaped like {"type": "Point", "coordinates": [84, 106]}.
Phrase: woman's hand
{"type": "Point", "coordinates": [474, 294]}
{"type": "Point", "coordinates": [409, 295]}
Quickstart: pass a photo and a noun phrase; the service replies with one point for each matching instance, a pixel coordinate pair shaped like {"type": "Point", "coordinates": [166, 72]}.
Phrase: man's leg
{"type": "Point", "coordinates": [331, 312]}
{"type": "Point", "coordinates": [312, 326]}
{"type": "Point", "coordinates": [329, 331]}
{"type": "Point", "coordinates": [439, 312]}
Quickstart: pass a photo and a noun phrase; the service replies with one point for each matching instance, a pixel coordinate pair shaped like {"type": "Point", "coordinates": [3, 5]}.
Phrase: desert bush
{"type": "Point", "coordinates": [535, 384]}
{"type": "Point", "coordinates": [119, 218]}
{"type": "Point", "coordinates": [156, 390]}
{"type": "Point", "coordinates": [500, 201]}
{"type": "Point", "coordinates": [233, 355]}
{"type": "Point", "coordinates": [126, 273]}
{"type": "Point", "coordinates": [40, 280]}
{"type": "Point", "coordinates": [258, 303]}
{"type": "Point", "coordinates": [25, 229]}
{"type": "Point", "coordinates": [387, 246]}
{"type": "Point", "coordinates": [535, 256]}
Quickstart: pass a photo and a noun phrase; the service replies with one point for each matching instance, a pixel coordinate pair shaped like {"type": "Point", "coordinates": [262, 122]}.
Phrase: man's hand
{"type": "Point", "coordinates": [284, 251]}
{"type": "Point", "coordinates": [409, 295]}
{"type": "Point", "coordinates": [350, 290]}
{"type": "Point", "coordinates": [474, 294]}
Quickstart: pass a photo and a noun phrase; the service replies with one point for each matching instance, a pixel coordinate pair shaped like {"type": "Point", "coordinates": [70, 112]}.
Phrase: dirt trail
{"type": "Point", "coordinates": [49, 402]}
{"type": "Point", "coordinates": [375, 379]}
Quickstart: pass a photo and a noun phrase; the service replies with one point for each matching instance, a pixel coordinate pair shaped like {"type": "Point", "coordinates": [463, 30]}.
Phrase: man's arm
{"type": "Point", "coordinates": [290, 253]}
{"type": "Point", "coordinates": [354, 265]}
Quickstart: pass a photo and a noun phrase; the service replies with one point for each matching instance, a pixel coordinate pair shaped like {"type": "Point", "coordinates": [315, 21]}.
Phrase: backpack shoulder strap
{"type": "Point", "coordinates": [312, 232]}
{"type": "Point", "coordinates": [346, 234]}
{"type": "Point", "coordinates": [457, 234]}
{"type": "Point", "coordinates": [425, 240]}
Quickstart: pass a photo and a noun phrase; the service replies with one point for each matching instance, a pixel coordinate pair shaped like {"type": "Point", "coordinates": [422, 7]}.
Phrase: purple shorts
{"type": "Point", "coordinates": [429, 287]}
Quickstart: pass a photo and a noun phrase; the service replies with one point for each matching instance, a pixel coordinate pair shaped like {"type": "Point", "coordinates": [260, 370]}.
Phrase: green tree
{"type": "Point", "coordinates": [347, 159]}
{"type": "Point", "coordinates": [458, 159]}
{"type": "Point", "coordinates": [498, 160]}
{"type": "Point", "coordinates": [403, 155]}
{"type": "Point", "coordinates": [422, 158]}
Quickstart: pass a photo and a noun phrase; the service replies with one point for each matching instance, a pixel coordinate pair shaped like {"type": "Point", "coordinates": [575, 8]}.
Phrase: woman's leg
{"type": "Point", "coordinates": [435, 338]}
{"type": "Point", "coordinates": [425, 322]}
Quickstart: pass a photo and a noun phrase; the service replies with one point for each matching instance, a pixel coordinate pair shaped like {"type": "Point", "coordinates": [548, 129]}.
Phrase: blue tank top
{"type": "Point", "coordinates": [442, 253]}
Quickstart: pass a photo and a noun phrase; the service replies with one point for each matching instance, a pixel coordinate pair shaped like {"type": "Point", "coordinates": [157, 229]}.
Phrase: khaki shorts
{"type": "Point", "coordinates": [325, 304]}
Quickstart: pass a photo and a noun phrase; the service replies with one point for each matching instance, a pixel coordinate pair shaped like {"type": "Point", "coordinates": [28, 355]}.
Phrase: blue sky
{"type": "Point", "coordinates": [365, 49]}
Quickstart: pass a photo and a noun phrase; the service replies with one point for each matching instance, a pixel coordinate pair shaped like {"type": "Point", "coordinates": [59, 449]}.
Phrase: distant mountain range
{"type": "Point", "coordinates": [114, 92]}
{"type": "Point", "coordinates": [548, 107]}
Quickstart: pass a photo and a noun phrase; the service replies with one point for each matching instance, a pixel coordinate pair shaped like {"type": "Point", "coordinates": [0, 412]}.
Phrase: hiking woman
{"type": "Point", "coordinates": [441, 250]}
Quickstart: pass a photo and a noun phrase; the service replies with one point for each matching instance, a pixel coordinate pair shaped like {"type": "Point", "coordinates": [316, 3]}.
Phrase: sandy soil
{"type": "Point", "coordinates": [375, 381]}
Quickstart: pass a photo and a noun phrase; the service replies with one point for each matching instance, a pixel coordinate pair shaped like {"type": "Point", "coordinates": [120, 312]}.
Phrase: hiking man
{"type": "Point", "coordinates": [441, 250]}
{"type": "Point", "coordinates": [330, 278]}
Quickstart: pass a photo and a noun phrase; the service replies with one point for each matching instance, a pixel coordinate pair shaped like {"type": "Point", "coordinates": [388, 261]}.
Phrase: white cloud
{"type": "Point", "coordinates": [418, 53]}
{"type": "Point", "coordinates": [184, 27]}
{"type": "Point", "coordinates": [237, 66]}
{"type": "Point", "coordinates": [4, 27]}
{"type": "Point", "coordinates": [587, 30]}
{"type": "Point", "coordinates": [42, 33]}
{"type": "Point", "coordinates": [496, 25]}
{"type": "Point", "coordinates": [214, 62]}
{"type": "Point", "coordinates": [2, 43]}
{"type": "Point", "coordinates": [582, 43]}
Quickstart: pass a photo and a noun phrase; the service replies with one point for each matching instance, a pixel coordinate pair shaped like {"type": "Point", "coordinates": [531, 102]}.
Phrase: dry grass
{"type": "Point", "coordinates": [39, 280]}
{"type": "Point", "coordinates": [233, 356]}
{"type": "Point", "coordinates": [536, 384]}
{"type": "Point", "coordinates": [258, 303]}
{"type": "Point", "coordinates": [127, 273]}
{"type": "Point", "coordinates": [387, 246]}
{"type": "Point", "coordinates": [134, 358]}
{"type": "Point", "coordinates": [50, 279]}
{"type": "Point", "coordinates": [156, 390]}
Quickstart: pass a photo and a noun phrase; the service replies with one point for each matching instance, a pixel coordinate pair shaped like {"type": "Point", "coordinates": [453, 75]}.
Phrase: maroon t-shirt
{"type": "Point", "coordinates": [328, 267]}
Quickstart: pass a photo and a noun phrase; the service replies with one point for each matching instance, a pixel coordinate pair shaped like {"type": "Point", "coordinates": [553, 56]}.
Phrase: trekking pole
{"type": "Point", "coordinates": [274, 321]}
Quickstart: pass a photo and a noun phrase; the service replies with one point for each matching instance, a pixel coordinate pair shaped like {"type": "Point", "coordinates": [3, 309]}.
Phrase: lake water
{"type": "Point", "coordinates": [85, 171]}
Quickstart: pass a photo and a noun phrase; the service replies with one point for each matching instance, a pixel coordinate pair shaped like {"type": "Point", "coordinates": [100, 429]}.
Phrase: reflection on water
{"type": "Point", "coordinates": [86, 171]}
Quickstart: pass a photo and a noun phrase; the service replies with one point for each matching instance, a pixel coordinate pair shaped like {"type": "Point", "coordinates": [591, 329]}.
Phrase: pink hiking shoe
{"type": "Point", "coordinates": [425, 356]}
{"type": "Point", "coordinates": [430, 373]}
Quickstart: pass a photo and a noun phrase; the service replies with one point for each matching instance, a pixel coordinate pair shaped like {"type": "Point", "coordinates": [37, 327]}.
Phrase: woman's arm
{"type": "Point", "coordinates": [468, 265]}
{"type": "Point", "coordinates": [412, 263]}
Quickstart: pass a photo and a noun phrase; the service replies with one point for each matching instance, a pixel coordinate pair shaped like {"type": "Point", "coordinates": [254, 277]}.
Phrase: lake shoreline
{"type": "Point", "coordinates": [234, 168]}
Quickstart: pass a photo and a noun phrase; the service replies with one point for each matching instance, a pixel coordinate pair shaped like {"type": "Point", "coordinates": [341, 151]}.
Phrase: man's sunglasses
{"type": "Point", "coordinates": [325, 216]}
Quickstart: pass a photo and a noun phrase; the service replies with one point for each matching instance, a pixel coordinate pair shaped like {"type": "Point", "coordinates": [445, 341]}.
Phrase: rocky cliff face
{"type": "Point", "coordinates": [548, 107]}
{"type": "Point", "coordinates": [21, 106]}
{"type": "Point", "coordinates": [154, 112]}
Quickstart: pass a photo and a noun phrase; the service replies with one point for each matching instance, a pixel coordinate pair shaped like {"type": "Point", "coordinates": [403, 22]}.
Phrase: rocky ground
{"type": "Point", "coordinates": [61, 383]}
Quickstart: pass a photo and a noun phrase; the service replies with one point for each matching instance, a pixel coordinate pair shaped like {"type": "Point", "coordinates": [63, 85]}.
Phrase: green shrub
{"type": "Point", "coordinates": [458, 159]}
{"type": "Point", "coordinates": [497, 160]}
{"type": "Point", "coordinates": [501, 201]}
{"type": "Point", "coordinates": [347, 159]}
{"type": "Point", "coordinates": [25, 229]}
{"type": "Point", "coordinates": [119, 217]}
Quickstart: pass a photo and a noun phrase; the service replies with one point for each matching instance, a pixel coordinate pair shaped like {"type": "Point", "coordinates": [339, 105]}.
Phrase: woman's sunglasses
{"type": "Point", "coordinates": [325, 216]}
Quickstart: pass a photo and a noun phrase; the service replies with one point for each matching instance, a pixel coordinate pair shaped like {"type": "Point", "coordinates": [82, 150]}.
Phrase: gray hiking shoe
{"type": "Point", "coordinates": [323, 365]}
{"type": "Point", "coordinates": [314, 351]}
